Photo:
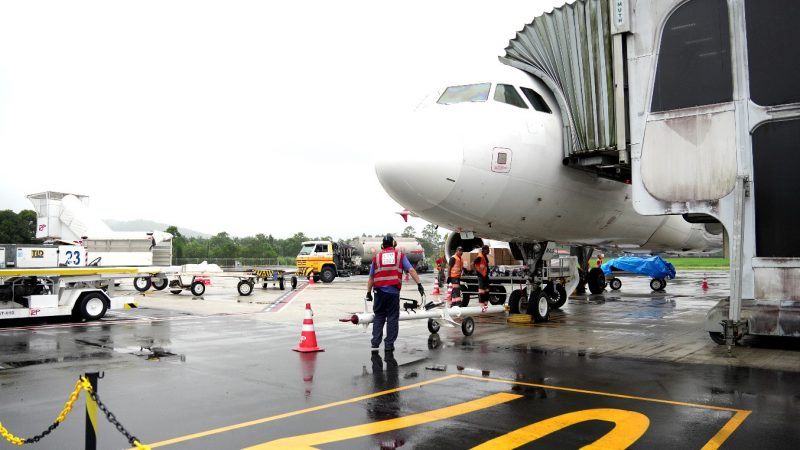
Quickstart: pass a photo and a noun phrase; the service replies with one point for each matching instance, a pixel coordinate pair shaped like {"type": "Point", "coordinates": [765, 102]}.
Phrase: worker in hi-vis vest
{"type": "Point", "coordinates": [386, 277]}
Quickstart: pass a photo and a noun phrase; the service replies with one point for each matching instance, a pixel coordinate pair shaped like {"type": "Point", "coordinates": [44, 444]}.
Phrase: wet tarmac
{"type": "Point", "coordinates": [622, 369]}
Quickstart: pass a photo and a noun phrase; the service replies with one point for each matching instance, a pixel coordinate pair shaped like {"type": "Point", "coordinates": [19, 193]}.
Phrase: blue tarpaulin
{"type": "Point", "coordinates": [652, 266]}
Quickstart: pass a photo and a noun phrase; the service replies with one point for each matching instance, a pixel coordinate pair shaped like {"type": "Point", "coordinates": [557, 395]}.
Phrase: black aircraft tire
{"type": "Point", "coordinates": [513, 301]}
{"type": "Point", "coordinates": [559, 297]}
{"type": "Point", "coordinates": [539, 306]}
{"type": "Point", "coordinates": [597, 281]}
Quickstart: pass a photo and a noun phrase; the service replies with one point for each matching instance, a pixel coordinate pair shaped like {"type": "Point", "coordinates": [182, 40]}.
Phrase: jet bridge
{"type": "Point", "coordinates": [577, 50]}
{"type": "Point", "coordinates": [712, 126]}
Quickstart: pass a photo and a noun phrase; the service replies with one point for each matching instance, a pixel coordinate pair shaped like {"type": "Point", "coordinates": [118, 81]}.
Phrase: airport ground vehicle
{"type": "Point", "coordinates": [659, 270]}
{"type": "Point", "coordinates": [82, 292]}
{"type": "Point", "coordinates": [325, 260]}
{"type": "Point", "coordinates": [196, 281]}
{"type": "Point", "coordinates": [366, 248]}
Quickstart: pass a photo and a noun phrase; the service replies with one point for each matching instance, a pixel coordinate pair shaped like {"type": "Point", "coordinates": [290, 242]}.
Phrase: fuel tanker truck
{"type": "Point", "coordinates": [366, 248]}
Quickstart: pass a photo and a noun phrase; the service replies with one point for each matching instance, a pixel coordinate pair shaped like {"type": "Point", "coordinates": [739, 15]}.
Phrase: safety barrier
{"type": "Point", "coordinates": [88, 383]}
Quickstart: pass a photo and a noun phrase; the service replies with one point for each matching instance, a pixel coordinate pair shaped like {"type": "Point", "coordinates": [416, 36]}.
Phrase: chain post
{"type": "Point", "coordinates": [91, 413]}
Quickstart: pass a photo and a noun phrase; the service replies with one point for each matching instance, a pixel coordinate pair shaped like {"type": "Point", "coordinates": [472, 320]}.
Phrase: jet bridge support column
{"type": "Point", "coordinates": [734, 327]}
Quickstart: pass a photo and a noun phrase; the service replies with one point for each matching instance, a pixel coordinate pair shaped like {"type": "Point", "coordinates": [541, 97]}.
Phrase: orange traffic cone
{"type": "Point", "coordinates": [436, 290]}
{"type": "Point", "coordinates": [308, 338]}
{"type": "Point", "coordinates": [705, 284]}
{"type": "Point", "coordinates": [311, 278]}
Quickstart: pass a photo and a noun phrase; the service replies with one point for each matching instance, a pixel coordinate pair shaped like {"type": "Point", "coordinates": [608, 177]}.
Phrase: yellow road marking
{"type": "Point", "coordinates": [726, 431]}
{"type": "Point", "coordinates": [307, 441]}
{"type": "Point", "coordinates": [293, 413]}
{"type": "Point", "coordinates": [629, 426]}
{"type": "Point", "coordinates": [607, 394]}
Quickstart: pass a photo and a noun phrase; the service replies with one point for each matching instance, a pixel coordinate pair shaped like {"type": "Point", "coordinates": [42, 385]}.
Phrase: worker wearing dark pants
{"type": "Point", "coordinates": [481, 265]}
{"type": "Point", "coordinates": [386, 277]}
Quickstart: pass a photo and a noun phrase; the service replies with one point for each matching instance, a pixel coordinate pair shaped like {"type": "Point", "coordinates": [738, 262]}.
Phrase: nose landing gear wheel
{"type": "Point", "coordinates": [540, 306]}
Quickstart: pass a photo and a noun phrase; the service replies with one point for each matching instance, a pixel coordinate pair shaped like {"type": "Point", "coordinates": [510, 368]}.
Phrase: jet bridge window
{"type": "Point", "coordinates": [466, 93]}
{"type": "Point", "coordinates": [536, 100]}
{"type": "Point", "coordinates": [505, 93]}
{"type": "Point", "coordinates": [772, 37]}
{"type": "Point", "coordinates": [694, 61]}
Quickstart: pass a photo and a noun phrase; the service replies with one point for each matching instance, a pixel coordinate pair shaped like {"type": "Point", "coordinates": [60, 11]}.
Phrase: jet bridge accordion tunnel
{"type": "Point", "coordinates": [579, 54]}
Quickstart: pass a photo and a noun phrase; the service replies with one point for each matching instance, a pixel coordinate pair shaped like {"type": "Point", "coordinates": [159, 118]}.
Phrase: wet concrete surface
{"type": "Point", "coordinates": [219, 372]}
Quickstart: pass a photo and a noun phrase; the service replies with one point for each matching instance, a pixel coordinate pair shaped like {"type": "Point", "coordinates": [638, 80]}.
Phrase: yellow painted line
{"type": "Point", "coordinates": [629, 426]}
{"type": "Point", "coordinates": [726, 431]}
{"type": "Point", "coordinates": [294, 413]}
{"type": "Point", "coordinates": [607, 394]}
{"type": "Point", "coordinates": [66, 272]}
{"type": "Point", "coordinates": [714, 443]}
{"type": "Point", "coordinates": [308, 441]}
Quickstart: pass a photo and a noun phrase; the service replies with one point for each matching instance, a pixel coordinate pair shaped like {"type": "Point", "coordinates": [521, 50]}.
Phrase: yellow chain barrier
{"type": "Point", "coordinates": [81, 384]}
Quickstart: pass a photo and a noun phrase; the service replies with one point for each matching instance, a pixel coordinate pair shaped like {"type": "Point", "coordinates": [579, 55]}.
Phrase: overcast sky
{"type": "Point", "coordinates": [239, 116]}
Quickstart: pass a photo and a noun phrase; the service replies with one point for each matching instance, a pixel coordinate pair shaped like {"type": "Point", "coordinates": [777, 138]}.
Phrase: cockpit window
{"type": "Point", "coordinates": [536, 100]}
{"type": "Point", "coordinates": [466, 93]}
{"type": "Point", "coordinates": [505, 93]}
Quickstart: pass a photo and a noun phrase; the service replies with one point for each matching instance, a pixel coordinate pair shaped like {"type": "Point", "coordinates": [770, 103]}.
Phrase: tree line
{"type": "Point", "coordinates": [20, 228]}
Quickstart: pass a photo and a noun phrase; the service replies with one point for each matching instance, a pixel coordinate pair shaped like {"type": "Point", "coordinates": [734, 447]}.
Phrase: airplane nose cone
{"type": "Point", "coordinates": [421, 171]}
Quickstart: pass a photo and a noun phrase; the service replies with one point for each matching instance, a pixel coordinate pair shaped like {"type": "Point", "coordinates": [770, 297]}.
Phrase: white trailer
{"type": "Point", "coordinates": [80, 292]}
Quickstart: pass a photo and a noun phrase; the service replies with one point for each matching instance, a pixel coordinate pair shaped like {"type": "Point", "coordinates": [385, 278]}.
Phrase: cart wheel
{"type": "Point", "coordinates": [160, 284]}
{"type": "Point", "coordinates": [468, 326]}
{"type": "Point", "coordinates": [615, 284]}
{"type": "Point", "coordinates": [294, 282]}
{"type": "Point", "coordinates": [244, 287]}
{"type": "Point", "coordinates": [433, 326]}
{"type": "Point", "coordinates": [280, 283]}
{"type": "Point", "coordinates": [91, 307]}
{"type": "Point", "coordinates": [142, 284]}
{"type": "Point", "coordinates": [176, 291]}
{"type": "Point", "coordinates": [657, 284]}
{"type": "Point", "coordinates": [198, 288]}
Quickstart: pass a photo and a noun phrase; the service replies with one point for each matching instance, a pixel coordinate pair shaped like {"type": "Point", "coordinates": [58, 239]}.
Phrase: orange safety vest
{"type": "Point", "coordinates": [482, 266]}
{"type": "Point", "coordinates": [455, 271]}
{"type": "Point", "coordinates": [388, 265]}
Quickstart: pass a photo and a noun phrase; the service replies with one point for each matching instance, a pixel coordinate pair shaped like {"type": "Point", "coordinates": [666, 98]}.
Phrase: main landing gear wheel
{"type": "Point", "coordinates": [327, 275]}
{"type": "Point", "coordinates": [615, 284]}
{"type": "Point", "coordinates": [540, 306]}
{"type": "Point", "coordinates": [198, 288]}
{"type": "Point", "coordinates": [91, 307]}
{"type": "Point", "coordinates": [517, 299]}
{"type": "Point", "coordinates": [468, 326]}
{"type": "Point", "coordinates": [142, 284]}
{"type": "Point", "coordinates": [294, 282]}
{"type": "Point", "coordinates": [433, 326]}
{"type": "Point", "coordinates": [658, 284]}
{"type": "Point", "coordinates": [244, 287]}
{"type": "Point", "coordinates": [596, 281]}
{"type": "Point", "coordinates": [160, 284]}
{"type": "Point", "coordinates": [557, 296]}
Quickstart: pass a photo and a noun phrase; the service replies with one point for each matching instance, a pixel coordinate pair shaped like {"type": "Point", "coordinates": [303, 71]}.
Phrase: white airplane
{"type": "Point", "coordinates": [484, 158]}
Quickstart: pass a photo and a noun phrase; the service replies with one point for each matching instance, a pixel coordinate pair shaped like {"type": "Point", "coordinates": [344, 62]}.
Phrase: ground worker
{"type": "Point", "coordinates": [481, 265]}
{"type": "Point", "coordinates": [386, 276]}
{"type": "Point", "coordinates": [456, 265]}
{"type": "Point", "coordinates": [599, 260]}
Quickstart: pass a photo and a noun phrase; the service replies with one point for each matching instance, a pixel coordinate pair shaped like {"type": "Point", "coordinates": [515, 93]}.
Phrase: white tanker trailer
{"type": "Point", "coordinates": [367, 247]}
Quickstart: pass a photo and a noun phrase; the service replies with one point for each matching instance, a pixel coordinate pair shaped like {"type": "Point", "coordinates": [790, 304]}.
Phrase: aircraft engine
{"type": "Point", "coordinates": [454, 240]}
